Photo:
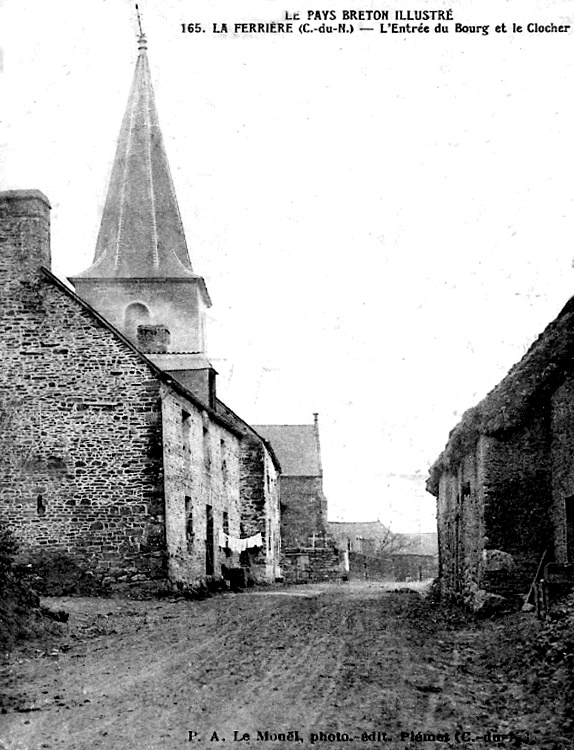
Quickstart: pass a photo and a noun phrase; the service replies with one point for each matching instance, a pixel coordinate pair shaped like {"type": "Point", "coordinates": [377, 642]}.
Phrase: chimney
{"type": "Point", "coordinates": [24, 234]}
{"type": "Point", "coordinates": [153, 338]}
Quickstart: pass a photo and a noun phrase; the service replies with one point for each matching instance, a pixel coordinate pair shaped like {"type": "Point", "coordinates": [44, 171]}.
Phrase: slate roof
{"type": "Point", "coordinates": [296, 446]}
{"type": "Point", "coordinates": [246, 429]}
{"type": "Point", "coordinates": [141, 234]}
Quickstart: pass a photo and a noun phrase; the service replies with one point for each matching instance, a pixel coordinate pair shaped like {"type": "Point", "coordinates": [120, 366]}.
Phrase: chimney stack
{"type": "Point", "coordinates": [24, 234]}
{"type": "Point", "coordinates": [153, 338]}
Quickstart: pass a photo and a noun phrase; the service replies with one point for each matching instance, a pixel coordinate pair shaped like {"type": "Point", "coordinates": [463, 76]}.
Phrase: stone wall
{"type": "Point", "coordinates": [392, 568]}
{"type": "Point", "coordinates": [517, 506]}
{"type": "Point", "coordinates": [80, 422]}
{"type": "Point", "coordinates": [260, 508]}
{"type": "Point", "coordinates": [303, 564]}
{"type": "Point", "coordinates": [494, 513]}
{"type": "Point", "coordinates": [302, 509]}
{"type": "Point", "coordinates": [562, 427]}
{"type": "Point", "coordinates": [178, 304]}
{"type": "Point", "coordinates": [201, 469]}
{"type": "Point", "coordinates": [460, 525]}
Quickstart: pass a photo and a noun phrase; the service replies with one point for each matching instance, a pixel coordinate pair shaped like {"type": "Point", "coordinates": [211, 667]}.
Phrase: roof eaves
{"type": "Point", "coordinates": [248, 427]}
{"type": "Point", "coordinates": [160, 374]}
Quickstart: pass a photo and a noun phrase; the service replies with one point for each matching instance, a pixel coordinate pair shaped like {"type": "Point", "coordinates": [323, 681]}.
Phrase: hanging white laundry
{"type": "Point", "coordinates": [235, 544]}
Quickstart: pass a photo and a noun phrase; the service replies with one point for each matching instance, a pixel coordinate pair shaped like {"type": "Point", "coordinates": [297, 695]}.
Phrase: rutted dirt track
{"type": "Point", "coordinates": [351, 659]}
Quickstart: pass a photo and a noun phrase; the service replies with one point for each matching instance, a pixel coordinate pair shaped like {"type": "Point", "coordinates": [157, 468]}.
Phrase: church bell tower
{"type": "Point", "coordinates": [141, 278]}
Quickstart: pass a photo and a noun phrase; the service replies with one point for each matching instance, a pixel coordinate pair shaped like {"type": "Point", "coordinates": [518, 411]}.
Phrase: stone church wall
{"type": "Point", "coordinates": [302, 510]}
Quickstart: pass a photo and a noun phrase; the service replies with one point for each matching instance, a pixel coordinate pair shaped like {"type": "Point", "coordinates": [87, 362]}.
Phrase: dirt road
{"type": "Point", "coordinates": [329, 666]}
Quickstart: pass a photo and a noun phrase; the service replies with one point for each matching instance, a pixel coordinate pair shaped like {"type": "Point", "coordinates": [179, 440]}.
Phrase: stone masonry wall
{"type": "Point", "coordinates": [312, 564]}
{"type": "Point", "coordinates": [302, 509]}
{"type": "Point", "coordinates": [461, 526]}
{"type": "Point", "coordinates": [562, 463]}
{"type": "Point", "coordinates": [494, 514]}
{"type": "Point", "coordinates": [260, 507]}
{"type": "Point", "coordinates": [201, 469]}
{"type": "Point", "coordinates": [80, 434]}
{"type": "Point", "coordinates": [518, 503]}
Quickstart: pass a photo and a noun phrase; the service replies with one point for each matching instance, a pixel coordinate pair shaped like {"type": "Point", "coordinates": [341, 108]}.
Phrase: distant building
{"type": "Point", "coordinates": [505, 482]}
{"type": "Point", "coordinates": [377, 552]}
{"type": "Point", "coordinates": [366, 537]}
{"type": "Point", "coordinates": [415, 556]}
{"type": "Point", "coordinates": [308, 551]}
{"type": "Point", "coordinates": [303, 502]}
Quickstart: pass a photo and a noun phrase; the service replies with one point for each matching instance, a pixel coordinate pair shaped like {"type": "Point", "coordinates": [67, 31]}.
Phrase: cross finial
{"type": "Point", "coordinates": [142, 41]}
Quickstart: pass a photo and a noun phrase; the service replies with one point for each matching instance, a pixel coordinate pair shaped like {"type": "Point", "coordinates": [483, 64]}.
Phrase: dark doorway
{"type": "Point", "coordinates": [209, 550]}
{"type": "Point", "coordinates": [570, 528]}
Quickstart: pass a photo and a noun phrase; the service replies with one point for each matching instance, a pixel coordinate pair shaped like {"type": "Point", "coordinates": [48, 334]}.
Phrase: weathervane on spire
{"type": "Point", "coordinates": [142, 41]}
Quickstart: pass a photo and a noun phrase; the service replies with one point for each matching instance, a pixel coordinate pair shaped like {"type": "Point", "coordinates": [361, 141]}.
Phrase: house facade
{"type": "Point", "coordinates": [505, 482]}
{"type": "Point", "coordinates": [105, 458]}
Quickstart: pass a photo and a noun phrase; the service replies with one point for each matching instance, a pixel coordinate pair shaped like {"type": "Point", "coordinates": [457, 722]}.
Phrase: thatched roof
{"type": "Point", "coordinates": [520, 394]}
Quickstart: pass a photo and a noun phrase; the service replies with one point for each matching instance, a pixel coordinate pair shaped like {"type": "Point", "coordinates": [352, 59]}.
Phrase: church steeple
{"type": "Point", "coordinates": [141, 278]}
{"type": "Point", "coordinates": [141, 232]}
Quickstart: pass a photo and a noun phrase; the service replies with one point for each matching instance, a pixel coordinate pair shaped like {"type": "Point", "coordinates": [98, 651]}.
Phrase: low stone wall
{"type": "Point", "coordinates": [311, 564]}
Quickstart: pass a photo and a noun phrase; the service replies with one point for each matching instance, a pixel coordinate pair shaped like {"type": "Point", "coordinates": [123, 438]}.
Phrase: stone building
{"type": "Point", "coordinates": [364, 537]}
{"type": "Point", "coordinates": [116, 450]}
{"type": "Point", "coordinates": [259, 482]}
{"type": "Point", "coordinates": [308, 551]}
{"type": "Point", "coordinates": [105, 457]}
{"type": "Point", "coordinates": [303, 502]}
{"type": "Point", "coordinates": [505, 482]}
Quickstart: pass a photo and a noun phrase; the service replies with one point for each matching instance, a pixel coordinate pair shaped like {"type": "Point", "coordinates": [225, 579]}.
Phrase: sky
{"type": "Point", "coordinates": [384, 221]}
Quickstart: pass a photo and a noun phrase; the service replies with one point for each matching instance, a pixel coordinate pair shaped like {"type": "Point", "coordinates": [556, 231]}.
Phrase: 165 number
{"type": "Point", "coordinates": [191, 28]}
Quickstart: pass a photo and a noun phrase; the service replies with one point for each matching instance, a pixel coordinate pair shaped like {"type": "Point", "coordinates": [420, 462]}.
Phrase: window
{"type": "Point", "coordinates": [206, 447]}
{"type": "Point", "coordinates": [209, 541]}
{"type": "Point", "coordinates": [223, 455]}
{"type": "Point", "coordinates": [188, 521]}
{"type": "Point", "coordinates": [185, 430]}
{"type": "Point", "coordinates": [225, 522]}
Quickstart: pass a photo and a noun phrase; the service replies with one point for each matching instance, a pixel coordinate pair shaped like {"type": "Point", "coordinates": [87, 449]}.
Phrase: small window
{"type": "Point", "coordinates": [225, 522]}
{"type": "Point", "coordinates": [188, 520]}
{"type": "Point", "coordinates": [185, 430]}
{"type": "Point", "coordinates": [206, 448]}
{"type": "Point", "coordinates": [40, 506]}
{"type": "Point", "coordinates": [223, 454]}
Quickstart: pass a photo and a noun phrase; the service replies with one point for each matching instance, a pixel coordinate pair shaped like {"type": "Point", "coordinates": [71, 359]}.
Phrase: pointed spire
{"type": "Point", "coordinates": [141, 233]}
